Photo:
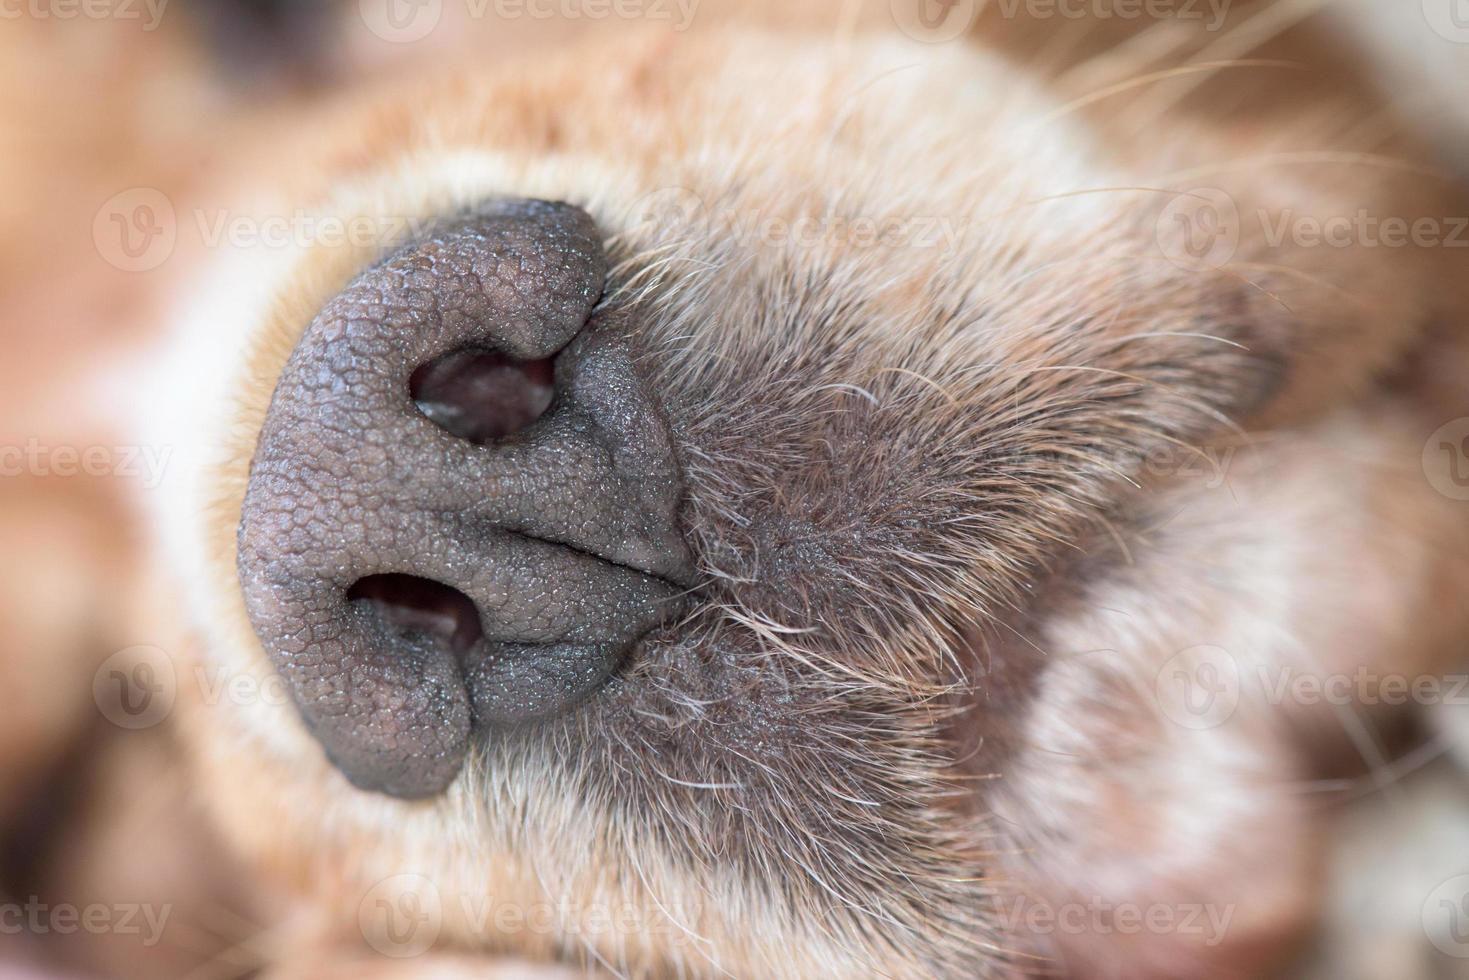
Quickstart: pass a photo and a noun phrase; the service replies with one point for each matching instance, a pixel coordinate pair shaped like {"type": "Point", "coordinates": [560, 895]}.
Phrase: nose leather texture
{"type": "Point", "coordinates": [563, 535]}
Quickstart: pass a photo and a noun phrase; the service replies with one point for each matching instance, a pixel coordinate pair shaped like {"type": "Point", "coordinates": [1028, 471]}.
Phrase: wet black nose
{"type": "Point", "coordinates": [461, 511]}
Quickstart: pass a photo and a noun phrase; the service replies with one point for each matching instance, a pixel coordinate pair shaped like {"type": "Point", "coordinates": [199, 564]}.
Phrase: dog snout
{"type": "Point", "coordinates": [461, 513]}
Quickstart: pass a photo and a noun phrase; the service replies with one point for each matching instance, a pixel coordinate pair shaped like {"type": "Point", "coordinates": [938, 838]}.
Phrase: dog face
{"type": "Point", "coordinates": [831, 371]}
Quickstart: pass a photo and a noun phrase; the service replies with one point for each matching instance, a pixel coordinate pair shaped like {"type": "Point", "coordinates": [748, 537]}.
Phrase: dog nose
{"type": "Point", "coordinates": [461, 513]}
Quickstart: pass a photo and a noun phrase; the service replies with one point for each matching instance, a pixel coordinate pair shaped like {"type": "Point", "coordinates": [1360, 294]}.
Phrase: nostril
{"type": "Point", "coordinates": [420, 606]}
{"type": "Point", "coordinates": [482, 396]}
